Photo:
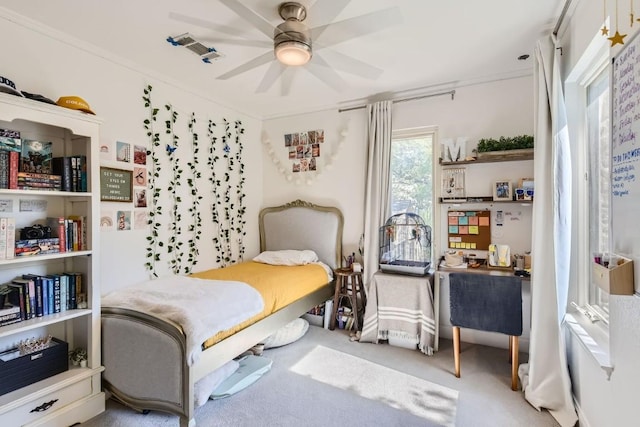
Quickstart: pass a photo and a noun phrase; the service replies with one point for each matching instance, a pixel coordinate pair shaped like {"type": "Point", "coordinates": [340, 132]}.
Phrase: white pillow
{"type": "Point", "coordinates": [287, 257]}
{"type": "Point", "coordinates": [287, 334]}
{"type": "Point", "coordinates": [203, 388]}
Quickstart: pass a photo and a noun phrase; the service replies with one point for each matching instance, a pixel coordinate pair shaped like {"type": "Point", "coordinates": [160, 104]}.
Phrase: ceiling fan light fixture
{"type": "Point", "coordinates": [293, 53]}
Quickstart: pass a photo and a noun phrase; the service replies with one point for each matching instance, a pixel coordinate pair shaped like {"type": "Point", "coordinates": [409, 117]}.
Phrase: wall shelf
{"type": "Point", "coordinates": [483, 199]}
{"type": "Point", "coordinates": [506, 157]}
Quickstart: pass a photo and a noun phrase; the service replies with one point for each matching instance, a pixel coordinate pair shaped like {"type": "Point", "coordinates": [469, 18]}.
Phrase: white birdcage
{"type": "Point", "coordinates": [405, 245]}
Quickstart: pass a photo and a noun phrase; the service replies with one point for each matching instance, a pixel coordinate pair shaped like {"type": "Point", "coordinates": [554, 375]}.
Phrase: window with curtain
{"type": "Point", "coordinates": [412, 173]}
{"type": "Point", "coordinates": [599, 186]}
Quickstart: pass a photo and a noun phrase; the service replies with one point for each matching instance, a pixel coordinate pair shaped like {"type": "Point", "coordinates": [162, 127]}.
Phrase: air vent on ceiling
{"type": "Point", "coordinates": [207, 54]}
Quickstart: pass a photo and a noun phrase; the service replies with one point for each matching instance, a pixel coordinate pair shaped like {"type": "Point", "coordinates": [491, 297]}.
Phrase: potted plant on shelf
{"type": "Point", "coordinates": [505, 146]}
{"type": "Point", "coordinates": [78, 356]}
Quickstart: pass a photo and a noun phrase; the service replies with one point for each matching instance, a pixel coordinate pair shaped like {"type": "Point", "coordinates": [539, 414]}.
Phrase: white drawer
{"type": "Point", "coordinates": [45, 405]}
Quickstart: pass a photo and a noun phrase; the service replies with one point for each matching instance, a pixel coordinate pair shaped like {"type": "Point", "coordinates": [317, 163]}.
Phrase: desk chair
{"type": "Point", "coordinates": [486, 303]}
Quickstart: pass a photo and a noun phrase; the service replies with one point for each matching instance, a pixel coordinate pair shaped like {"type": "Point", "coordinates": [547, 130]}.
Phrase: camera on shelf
{"type": "Point", "coordinates": [36, 231]}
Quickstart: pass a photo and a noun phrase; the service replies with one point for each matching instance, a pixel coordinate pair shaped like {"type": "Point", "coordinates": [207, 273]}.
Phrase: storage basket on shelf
{"type": "Point", "coordinates": [405, 245]}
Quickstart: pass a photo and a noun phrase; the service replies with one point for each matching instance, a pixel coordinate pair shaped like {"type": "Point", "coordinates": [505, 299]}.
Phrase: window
{"type": "Point", "coordinates": [588, 111]}
{"type": "Point", "coordinates": [412, 173]}
{"type": "Point", "coordinates": [598, 182]}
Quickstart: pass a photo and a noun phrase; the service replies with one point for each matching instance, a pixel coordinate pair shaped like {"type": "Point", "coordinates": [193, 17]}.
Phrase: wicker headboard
{"type": "Point", "coordinates": [302, 225]}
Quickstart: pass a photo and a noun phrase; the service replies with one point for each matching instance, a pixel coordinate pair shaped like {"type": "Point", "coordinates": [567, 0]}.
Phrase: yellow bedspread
{"type": "Point", "coordinates": [278, 285]}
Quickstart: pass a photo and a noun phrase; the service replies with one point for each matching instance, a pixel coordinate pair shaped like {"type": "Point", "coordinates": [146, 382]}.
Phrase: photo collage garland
{"type": "Point", "coordinates": [304, 150]}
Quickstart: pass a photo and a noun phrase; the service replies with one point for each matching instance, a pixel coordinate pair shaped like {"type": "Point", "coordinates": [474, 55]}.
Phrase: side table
{"type": "Point", "coordinates": [348, 284]}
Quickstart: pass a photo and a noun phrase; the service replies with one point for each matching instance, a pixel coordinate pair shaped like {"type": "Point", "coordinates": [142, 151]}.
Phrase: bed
{"type": "Point", "coordinates": [146, 357]}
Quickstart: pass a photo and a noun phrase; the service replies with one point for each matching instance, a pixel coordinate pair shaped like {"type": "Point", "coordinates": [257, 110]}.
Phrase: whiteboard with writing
{"type": "Point", "coordinates": [625, 154]}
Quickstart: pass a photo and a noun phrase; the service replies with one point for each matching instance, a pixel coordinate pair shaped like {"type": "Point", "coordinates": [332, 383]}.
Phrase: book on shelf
{"type": "Point", "coordinates": [81, 164]}
{"type": "Point", "coordinates": [3, 238]}
{"type": "Point", "coordinates": [11, 238]}
{"type": "Point", "coordinates": [38, 181]}
{"type": "Point", "coordinates": [9, 162]}
{"type": "Point", "coordinates": [10, 315]}
{"type": "Point", "coordinates": [36, 156]}
{"type": "Point", "coordinates": [37, 246]}
{"type": "Point", "coordinates": [74, 289]}
{"type": "Point", "coordinates": [10, 140]}
{"type": "Point", "coordinates": [14, 166]}
{"type": "Point", "coordinates": [28, 293]}
{"type": "Point", "coordinates": [19, 298]}
{"type": "Point", "coordinates": [64, 292]}
{"type": "Point", "coordinates": [62, 166]}
{"type": "Point", "coordinates": [38, 302]}
{"type": "Point", "coordinates": [57, 292]}
{"type": "Point", "coordinates": [58, 226]}
{"type": "Point", "coordinates": [4, 169]}
{"type": "Point", "coordinates": [81, 224]}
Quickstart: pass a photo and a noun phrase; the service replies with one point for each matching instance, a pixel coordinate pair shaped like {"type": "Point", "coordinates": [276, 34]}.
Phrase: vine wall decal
{"type": "Point", "coordinates": [153, 253]}
{"type": "Point", "coordinates": [195, 228]}
{"type": "Point", "coordinates": [221, 182]}
{"type": "Point", "coordinates": [174, 247]}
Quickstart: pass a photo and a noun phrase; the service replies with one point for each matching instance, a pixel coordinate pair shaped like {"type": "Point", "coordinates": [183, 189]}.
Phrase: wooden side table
{"type": "Point", "coordinates": [348, 284]}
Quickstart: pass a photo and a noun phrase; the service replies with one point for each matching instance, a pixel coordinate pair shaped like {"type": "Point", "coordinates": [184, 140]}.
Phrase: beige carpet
{"type": "Point", "coordinates": [407, 393]}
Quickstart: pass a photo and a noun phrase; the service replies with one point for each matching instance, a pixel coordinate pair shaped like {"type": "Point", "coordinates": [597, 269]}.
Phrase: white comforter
{"type": "Point", "coordinates": [201, 307]}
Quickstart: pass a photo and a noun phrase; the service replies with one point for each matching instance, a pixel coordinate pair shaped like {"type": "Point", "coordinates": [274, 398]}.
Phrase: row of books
{"type": "Point", "coordinates": [34, 295]}
{"type": "Point", "coordinates": [73, 172]}
{"type": "Point", "coordinates": [67, 234]}
{"type": "Point", "coordinates": [29, 165]}
{"type": "Point", "coordinates": [72, 232]}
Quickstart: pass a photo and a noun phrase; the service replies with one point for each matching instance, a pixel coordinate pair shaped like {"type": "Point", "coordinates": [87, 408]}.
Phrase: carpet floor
{"type": "Point", "coordinates": [325, 379]}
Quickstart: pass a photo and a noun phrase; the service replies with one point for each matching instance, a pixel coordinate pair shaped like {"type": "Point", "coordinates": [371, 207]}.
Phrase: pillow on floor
{"type": "Point", "coordinates": [289, 333]}
{"type": "Point", "coordinates": [203, 388]}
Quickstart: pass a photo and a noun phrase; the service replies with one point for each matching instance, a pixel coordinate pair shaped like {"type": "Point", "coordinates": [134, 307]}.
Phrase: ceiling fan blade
{"type": "Point", "coordinates": [249, 15]}
{"type": "Point", "coordinates": [237, 42]}
{"type": "Point", "coordinates": [255, 62]}
{"type": "Point", "coordinates": [353, 66]}
{"type": "Point", "coordinates": [286, 80]}
{"type": "Point", "coordinates": [356, 27]}
{"type": "Point", "coordinates": [275, 70]}
{"type": "Point", "coordinates": [325, 11]}
{"type": "Point", "coordinates": [323, 71]}
{"type": "Point", "coordinates": [233, 31]}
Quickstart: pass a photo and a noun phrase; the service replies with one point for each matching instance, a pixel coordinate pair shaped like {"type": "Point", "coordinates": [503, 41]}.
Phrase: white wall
{"type": "Point", "coordinates": [603, 402]}
{"type": "Point", "coordinates": [51, 64]}
{"type": "Point", "coordinates": [501, 108]}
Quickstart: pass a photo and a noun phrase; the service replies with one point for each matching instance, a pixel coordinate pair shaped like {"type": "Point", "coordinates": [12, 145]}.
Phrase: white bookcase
{"type": "Point", "coordinates": [74, 395]}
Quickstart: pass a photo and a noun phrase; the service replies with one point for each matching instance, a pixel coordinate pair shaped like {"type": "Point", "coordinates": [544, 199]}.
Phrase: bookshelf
{"type": "Point", "coordinates": [75, 395]}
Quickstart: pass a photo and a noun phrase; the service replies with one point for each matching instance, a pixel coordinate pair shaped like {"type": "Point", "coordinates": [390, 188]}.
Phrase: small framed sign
{"type": "Point", "coordinates": [116, 185]}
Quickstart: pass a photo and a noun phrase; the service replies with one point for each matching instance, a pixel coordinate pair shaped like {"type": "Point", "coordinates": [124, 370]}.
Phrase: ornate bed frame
{"type": "Point", "coordinates": [145, 356]}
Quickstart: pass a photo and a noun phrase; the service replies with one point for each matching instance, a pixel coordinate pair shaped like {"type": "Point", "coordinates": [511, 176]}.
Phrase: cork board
{"type": "Point", "coordinates": [469, 230]}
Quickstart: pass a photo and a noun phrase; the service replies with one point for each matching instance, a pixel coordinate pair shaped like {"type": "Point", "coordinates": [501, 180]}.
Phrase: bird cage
{"type": "Point", "coordinates": [405, 245]}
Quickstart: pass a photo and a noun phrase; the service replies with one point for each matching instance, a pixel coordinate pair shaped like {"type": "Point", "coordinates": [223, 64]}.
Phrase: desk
{"type": "Point", "coordinates": [401, 306]}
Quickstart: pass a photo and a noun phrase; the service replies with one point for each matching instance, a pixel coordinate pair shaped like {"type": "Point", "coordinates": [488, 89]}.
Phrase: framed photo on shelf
{"type": "Point", "coordinates": [502, 191]}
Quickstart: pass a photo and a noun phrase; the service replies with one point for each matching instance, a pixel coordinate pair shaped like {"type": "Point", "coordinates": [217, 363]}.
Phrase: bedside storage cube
{"type": "Point", "coordinates": [19, 371]}
{"type": "Point", "coordinates": [617, 280]}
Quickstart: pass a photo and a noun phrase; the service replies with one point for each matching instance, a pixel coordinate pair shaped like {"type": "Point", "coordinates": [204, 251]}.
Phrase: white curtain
{"type": "Point", "coordinates": [377, 189]}
{"type": "Point", "coordinates": [545, 379]}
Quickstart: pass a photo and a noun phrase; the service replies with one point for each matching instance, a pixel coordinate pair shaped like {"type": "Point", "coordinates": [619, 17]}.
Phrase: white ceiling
{"type": "Point", "coordinates": [437, 44]}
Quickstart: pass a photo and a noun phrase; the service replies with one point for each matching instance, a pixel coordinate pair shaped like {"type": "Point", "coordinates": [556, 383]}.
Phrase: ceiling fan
{"type": "Point", "coordinates": [293, 44]}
